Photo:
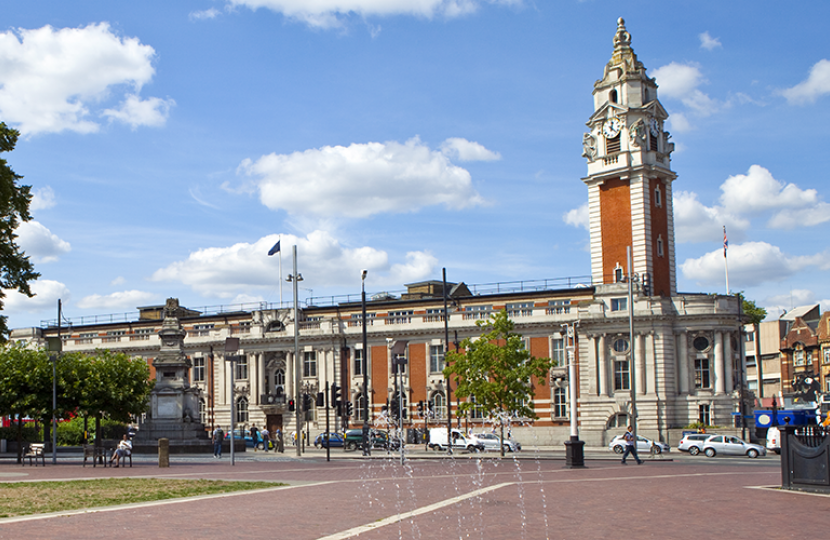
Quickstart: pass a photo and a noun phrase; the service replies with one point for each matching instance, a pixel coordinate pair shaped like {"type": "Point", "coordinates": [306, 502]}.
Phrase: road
{"type": "Point", "coordinates": [533, 497]}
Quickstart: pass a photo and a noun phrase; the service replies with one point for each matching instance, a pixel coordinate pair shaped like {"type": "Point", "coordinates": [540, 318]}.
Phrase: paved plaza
{"type": "Point", "coordinates": [533, 497]}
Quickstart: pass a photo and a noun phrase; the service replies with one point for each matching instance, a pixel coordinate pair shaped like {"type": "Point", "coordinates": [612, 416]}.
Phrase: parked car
{"type": "Point", "coordinates": [240, 434]}
{"type": "Point", "coordinates": [732, 446]}
{"type": "Point", "coordinates": [490, 442]}
{"type": "Point", "coordinates": [774, 439]}
{"type": "Point", "coordinates": [438, 440]}
{"type": "Point", "coordinates": [331, 440]}
{"type": "Point", "coordinates": [693, 442]}
{"type": "Point", "coordinates": [354, 440]}
{"type": "Point", "coordinates": [617, 445]}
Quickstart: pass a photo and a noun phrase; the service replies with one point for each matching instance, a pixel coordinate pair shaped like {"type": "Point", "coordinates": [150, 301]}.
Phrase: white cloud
{"type": "Point", "coordinates": [47, 293]}
{"type": "Point", "coordinates": [779, 304]}
{"type": "Point", "coordinates": [331, 13]}
{"type": "Point", "coordinates": [118, 281]}
{"type": "Point", "coordinates": [708, 42]}
{"type": "Point", "coordinates": [757, 192]}
{"type": "Point", "coordinates": [816, 85]}
{"type": "Point", "coordinates": [42, 198]}
{"type": "Point", "coordinates": [681, 81]}
{"type": "Point", "coordinates": [464, 150]}
{"type": "Point", "coordinates": [211, 13]}
{"type": "Point", "coordinates": [578, 217]}
{"type": "Point", "coordinates": [141, 112]}
{"type": "Point", "coordinates": [696, 222]}
{"type": "Point", "coordinates": [52, 79]}
{"type": "Point", "coordinates": [750, 264]}
{"type": "Point", "coordinates": [40, 243]}
{"type": "Point", "coordinates": [116, 300]}
{"type": "Point", "coordinates": [226, 272]}
{"type": "Point", "coordinates": [360, 180]}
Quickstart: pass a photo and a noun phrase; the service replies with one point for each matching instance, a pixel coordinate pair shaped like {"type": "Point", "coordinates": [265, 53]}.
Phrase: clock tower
{"type": "Point", "coordinates": [629, 175]}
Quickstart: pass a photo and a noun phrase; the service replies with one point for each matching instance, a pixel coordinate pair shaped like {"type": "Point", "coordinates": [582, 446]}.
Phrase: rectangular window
{"type": "Point", "coordinates": [560, 403]}
{"type": "Point", "coordinates": [612, 145]}
{"type": "Point", "coordinates": [557, 351]}
{"type": "Point", "coordinates": [622, 379]}
{"type": "Point", "coordinates": [309, 364]}
{"type": "Point", "coordinates": [199, 369]}
{"type": "Point", "coordinates": [703, 415]}
{"type": "Point", "coordinates": [356, 319]}
{"type": "Point", "coordinates": [799, 358]}
{"type": "Point", "coordinates": [399, 317]}
{"type": "Point", "coordinates": [558, 307]}
{"type": "Point", "coordinates": [826, 356]}
{"type": "Point", "coordinates": [434, 315]}
{"type": "Point", "coordinates": [619, 304]}
{"type": "Point", "coordinates": [436, 358]}
{"type": "Point", "coordinates": [519, 309]}
{"type": "Point", "coordinates": [702, 373]}
{"type": "Point", "coordinates": [477, 312]}
{"type": "Point", "coordinates": [241, 367]}
{"type": "Point", "coordinates": [358, 361]}
{"type": "Point", "coordinates": [658, 199]}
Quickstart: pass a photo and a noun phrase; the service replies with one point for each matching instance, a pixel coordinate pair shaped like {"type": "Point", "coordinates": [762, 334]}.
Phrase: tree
{"type": "Point", "coordinates": [25, 386]}
{"type": "Point", "coordinates": [16, 270]}
{"type": "Point", "coordinates": [495, 372]}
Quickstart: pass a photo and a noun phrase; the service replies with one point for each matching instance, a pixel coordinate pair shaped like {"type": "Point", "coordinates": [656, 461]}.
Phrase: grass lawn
{"type": "Point", "coordinates": [22, 498]}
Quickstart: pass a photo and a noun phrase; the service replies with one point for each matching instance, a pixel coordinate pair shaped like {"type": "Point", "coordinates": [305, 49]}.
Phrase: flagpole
{"type": "Point", "coordinates": [725, 262]}
{"type": "Point", "coordinates": [278, 241]}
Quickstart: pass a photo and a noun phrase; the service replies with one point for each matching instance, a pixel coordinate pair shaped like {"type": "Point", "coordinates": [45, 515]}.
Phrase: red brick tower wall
{"type": "Point", "coordinates": [615, 209]}
{"type": "Point", "coordinates": [661, 280]}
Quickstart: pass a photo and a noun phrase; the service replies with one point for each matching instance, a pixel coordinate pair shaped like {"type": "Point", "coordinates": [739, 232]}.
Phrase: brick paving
{"type": "Point", "coordinates": [536, 499]}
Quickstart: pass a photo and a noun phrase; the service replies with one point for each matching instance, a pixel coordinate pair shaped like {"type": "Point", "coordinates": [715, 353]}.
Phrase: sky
{"type": "Point", "coordinates": [170, 145]}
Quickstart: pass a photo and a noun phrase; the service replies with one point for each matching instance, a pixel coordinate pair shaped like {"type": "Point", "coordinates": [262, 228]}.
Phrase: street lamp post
{"type": "Point", "coordinates": [231, 348]}
{"type": "Point", "coordinates": [367, 450]}
{"type": "Point", "coordinates": [55, 346]}
{"type": "Point", "coordinates": [574, 448]}
{"type": "Point", "coordinates": [295, 278]}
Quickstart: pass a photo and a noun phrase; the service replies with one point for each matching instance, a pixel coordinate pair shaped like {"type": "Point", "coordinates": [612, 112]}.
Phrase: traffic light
{"type": "Point", "coordinates": [429, 405]}
{"type": "Point", "coordinates": [321, 399]}
{"type": "Point", "coordinates": [335, 394]}
{"type": "Point", "coordinates": [394, 408]}
{"type": "Point", "coordinates": [349, 408]}
{"type": "Point", "coordinates": [420, 408]}
{"type": "Point", "coordinates": [291, 406]}
{"type": "Point", "coordinates": [306, 402]}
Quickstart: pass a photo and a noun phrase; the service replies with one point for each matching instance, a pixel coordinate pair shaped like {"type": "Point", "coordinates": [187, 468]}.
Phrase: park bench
{"type": "Point", "coordinates": [97, 453]}
{"type": "Point", "coordinates": [34, 451]}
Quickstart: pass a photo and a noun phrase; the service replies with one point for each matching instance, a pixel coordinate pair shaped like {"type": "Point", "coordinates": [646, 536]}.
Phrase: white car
{"type": "Point", "coordinates": [617, 445]}
{"type": "Point", "coordinates": [732, 446]}
{"type": "Point", "coordinates": [490, 441]}
{"type": "Point", "coordinates": [774, 439]}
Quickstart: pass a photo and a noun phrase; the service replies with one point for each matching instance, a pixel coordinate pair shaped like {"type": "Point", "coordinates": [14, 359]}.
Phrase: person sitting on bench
{"type": "Point", "coordinates": [125, 446]}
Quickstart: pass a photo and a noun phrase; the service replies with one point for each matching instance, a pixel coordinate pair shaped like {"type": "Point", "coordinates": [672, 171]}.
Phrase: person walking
{"type": "Point", "coordinates": [266, 437]}
{"type": "Point", "coordinates": [254, 431]}
{"type": "Point", "coordinates": [630, 446]}
{"type": "Point", "coordinates": [217, 438]}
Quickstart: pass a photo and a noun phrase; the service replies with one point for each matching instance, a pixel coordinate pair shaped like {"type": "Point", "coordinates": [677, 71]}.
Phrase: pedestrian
{"type": "Point", "coordinates": [630, 446]}
{"type": "Point", "coordinates": [266, 437]}
{"type": "Point", "coordinates": [279, 442]}
{"type": "Point", "coordinates": [217, 438]}
{"type": "Point", "coordinates": [253, 436]}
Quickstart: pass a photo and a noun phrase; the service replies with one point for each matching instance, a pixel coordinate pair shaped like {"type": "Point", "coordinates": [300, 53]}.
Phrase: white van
{"type": "Point", "coordinates": [438, 440]}
{"type": "Point", "coordinates": [774, 439]}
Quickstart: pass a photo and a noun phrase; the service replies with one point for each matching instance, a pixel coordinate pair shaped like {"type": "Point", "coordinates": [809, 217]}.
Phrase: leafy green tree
{"type": "Point", "coordinates": [754, 315]}
{"type": "Point", "coordinates": [16, 270]}
{"type": "Point", "coordinates": [115, 386]}
{"type": "Point", "coordinates": [25, 386]}
{"type": "Point", "coordinates": [496, 371]}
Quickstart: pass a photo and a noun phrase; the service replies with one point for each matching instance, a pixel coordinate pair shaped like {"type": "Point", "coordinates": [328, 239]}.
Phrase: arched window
{"type": "Point", "coordinates": [360, 405]}
{"type": "Point", "coordinates": [439, 405]}
{"type": "Point", "coordinates": [242, 410]}
{"type": "Point", "coordinates": [619, 420]}
{"type": "Point", "coordinates": [612, 96]}
{"type": "Point", "coordinates": [279, 382]}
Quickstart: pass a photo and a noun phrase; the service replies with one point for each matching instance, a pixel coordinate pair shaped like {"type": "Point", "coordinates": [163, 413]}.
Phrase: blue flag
{"type": "Point", "coordinates": [275, 249]}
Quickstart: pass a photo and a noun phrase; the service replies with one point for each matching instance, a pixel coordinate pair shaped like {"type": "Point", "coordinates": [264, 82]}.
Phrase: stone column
{"type": "Point", "coordinates": [651, 367]}
{"type": "Point", "coordinates": [261, 388]}
{"type": "Point", "coordinates": [289, 375]}
{"type": "Point", "coordinates": [640, 353]}
{"type": "Point", "coordinates": [728, 361]}
{"type": "Point", "coordinates": [603, 367]}
{"type": "Point", "coordinates": [683, 367]}
{"type": "Point", "coordinates": [719, 367]}
{"type": "Point", "coordinates": [594, 383]}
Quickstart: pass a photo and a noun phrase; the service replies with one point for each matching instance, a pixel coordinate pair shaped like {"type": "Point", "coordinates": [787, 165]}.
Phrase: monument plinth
{"type": "Point", "coordinates": [174, 404]}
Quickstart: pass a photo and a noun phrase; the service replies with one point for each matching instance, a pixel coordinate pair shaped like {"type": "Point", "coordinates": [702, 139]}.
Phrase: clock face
{"type": "Point", "coordinates": [654, 127]}
{"type": "Point", "coordinates": [612, 128]}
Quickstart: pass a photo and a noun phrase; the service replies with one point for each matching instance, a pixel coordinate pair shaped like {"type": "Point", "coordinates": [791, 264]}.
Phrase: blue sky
{"type": "Point", "coordinates": [170, 144]}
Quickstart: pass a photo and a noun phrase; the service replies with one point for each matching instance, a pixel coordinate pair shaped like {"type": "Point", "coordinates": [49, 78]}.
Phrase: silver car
{"type": "Point", "coordinates": [732, 446]}
{"type": "Point", "coordinates": [490, 441]}
{"type": "Point", "coordinates": [617, 445]}
{"type": "Point", "coordinates": [693, 442]}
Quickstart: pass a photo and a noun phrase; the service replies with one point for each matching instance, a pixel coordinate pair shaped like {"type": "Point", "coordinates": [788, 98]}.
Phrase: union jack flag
{"type": "Point", "coordinates": [725, 242]}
